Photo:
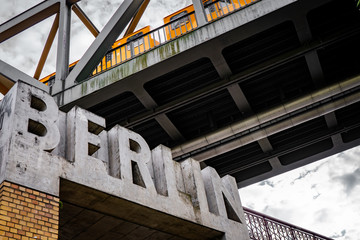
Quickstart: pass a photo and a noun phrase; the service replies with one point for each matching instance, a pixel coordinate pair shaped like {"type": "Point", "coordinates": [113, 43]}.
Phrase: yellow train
{"type": "Point", "coordinates": [123, 50]}
{"type": "Point", "coordinates": [176, 24]}
{"type": "Point", "coordinates": [213, 10]}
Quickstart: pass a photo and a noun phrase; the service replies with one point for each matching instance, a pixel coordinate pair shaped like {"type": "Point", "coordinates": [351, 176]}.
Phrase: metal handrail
{"type": "Point", "coordinates": [165, 34]}
{"type": "Point", "coordinates": [264, 227]}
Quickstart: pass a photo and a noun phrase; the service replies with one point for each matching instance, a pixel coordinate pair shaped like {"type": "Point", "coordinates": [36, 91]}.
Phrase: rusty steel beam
{"type": "Point", "coordinates": [47, 47]}
{"type": "Point", "coordinates": [134, 22]}
{"type": "Point", "coordinates": [87, 22]}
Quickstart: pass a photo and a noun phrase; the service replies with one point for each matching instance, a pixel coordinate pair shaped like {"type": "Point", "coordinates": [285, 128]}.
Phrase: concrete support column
{"type": "Point", "coordinates": [199, 12]}
{"type": "Point", "coordinates": [63, 48]}
{"type": "Point", "coordinates": [27, 213]}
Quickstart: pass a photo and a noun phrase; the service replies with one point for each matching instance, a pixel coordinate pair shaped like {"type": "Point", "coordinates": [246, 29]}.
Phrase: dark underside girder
{"type": "Point", "coordinates": [271, 67]}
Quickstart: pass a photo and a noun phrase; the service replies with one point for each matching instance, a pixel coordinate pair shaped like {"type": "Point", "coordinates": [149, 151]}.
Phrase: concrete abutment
{"type": "Point", "coordinates": [109, 174]}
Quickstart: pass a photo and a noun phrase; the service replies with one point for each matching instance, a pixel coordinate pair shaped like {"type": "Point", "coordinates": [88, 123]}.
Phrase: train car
{"type": "Point", "coordinates": [187, 22]}
{"type": "Point", "coordinates": [50, 77]}
{"type": "Point", "coordinates": [123, 49]}
{"type": "Point", "coordinates": [126, 48]}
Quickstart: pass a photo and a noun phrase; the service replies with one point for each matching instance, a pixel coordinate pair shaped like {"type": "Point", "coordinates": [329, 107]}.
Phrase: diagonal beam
{"type": "Point", "coordinates": [28, 18]}
{"type": "Point", "coordinates": [103, 41]}
{"type": "Point", "coordinates": [84, 18]}
{"type": "Point", "coordinates": [47, 47]}
{"type": "Point", "coordinates": [134, 22]}
{"type": "Point", "coordinates": [10, 74]}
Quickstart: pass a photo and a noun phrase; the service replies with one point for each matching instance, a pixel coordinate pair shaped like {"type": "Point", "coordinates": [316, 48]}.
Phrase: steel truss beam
{"type": "Point", "coordinates": [10, 75]}
{"type": "Point", "coordinates": [84, 18]}
{"type": "Point", "coordinates": [47, 47]}
{"type": "Point", "coordinates": [28, 18]}
{"type": "Point", "coordinates": [103, 41]}
{"type": "Point", "coordinates": [136, 18]}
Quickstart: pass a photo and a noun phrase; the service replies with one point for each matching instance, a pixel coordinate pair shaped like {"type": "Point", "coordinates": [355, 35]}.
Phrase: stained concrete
{"type": "Point", "coordinates": [112, 172]}
{"type": "Point", "coordinates": [90, 214]}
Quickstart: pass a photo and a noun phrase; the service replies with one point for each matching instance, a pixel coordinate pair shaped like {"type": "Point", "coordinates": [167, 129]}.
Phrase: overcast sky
{"type": "Point", "coordinates": [323, 197]}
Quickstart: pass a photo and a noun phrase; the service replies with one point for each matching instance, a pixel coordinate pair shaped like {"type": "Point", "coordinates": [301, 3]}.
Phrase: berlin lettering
{"type": "Point", "coordinates": [75, 146]}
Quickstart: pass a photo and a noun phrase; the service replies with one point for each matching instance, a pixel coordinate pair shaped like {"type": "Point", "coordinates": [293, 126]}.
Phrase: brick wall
{"type": "Point", "coordinates": [27, 214]}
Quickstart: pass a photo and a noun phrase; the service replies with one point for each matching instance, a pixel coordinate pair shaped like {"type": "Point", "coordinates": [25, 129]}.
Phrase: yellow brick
{"type": "Point", "coordinates": [54, 212]}
{"type": "Point", "coordinates": [40, 232]}
{"type": "Point", "coordinates": [7, 184]}
{"type": "Point", "coordinates": [5, 218]}
{"type": "Point", "coordinates": [6, 194]}
{"type": "Point", "coordinates": [19, 207]}
{"type": "Point", "coordinates": [2, 222]}
{"type": "Point", "coordinates": [53, 221]}
{"type": "Point", "coordinates": [17, 236]}
{"type": "Point", "coordinates": [4, 228]}
{"type": "Point", "coordinates": [18, 226]}
{"type": "Point", "coordinates": [13, 195]}
{"type": "Point", "coordinates": [10, 224]}
{"type": "Point", "coordinates": [24, 238]}
{"type": "Point", "coordinates": [53, 231]}
{"type": "Point", "coordinates": [5, 198]}
{"type": "Point", "coordinates": [29, 234]}
{"type": "Point", "coordinates": [30, 205]}
{"type": "Point", "coordinates": [13, 230]}
{"type": "Point", "coordinates": [30, 225]}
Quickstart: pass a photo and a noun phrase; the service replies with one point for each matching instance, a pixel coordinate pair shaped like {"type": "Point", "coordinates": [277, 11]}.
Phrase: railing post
{"type": "Point", "coordinates": [266, 227]}
{"type": "Point", "coordinates": [199, 12]}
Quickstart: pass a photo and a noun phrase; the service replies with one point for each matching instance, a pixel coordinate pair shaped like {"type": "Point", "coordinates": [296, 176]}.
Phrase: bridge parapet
{"type": "Point", "coordinates": [163, 49]}
{"type": "Point", "coordinates": [71, 155]}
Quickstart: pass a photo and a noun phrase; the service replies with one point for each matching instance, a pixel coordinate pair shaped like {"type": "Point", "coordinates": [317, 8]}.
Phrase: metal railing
{"type": "Point", "coordinates": [263, 227]}
{"type": "Point", "coordinates": [167, 33]}
{"type": "Point", "coordinates": [146, 42]}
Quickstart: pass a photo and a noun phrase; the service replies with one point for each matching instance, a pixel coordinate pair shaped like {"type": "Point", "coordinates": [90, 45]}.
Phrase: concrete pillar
{"type": "Point", "coordinates": [27, 213]}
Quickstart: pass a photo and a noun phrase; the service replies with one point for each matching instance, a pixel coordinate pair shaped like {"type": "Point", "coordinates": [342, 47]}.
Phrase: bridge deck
{"type": "Point", "coordinates": [268, 55]}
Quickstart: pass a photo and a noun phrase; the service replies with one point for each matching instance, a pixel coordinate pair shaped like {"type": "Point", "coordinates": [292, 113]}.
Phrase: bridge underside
{"type": "Point", "coordinates": [282, 56]}
{"type": "Point", "coordinates": [90, 214]}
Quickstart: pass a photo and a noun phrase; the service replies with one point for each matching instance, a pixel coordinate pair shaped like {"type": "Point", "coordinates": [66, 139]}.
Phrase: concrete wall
{"type": "Point", "coordinates": [40, 144]}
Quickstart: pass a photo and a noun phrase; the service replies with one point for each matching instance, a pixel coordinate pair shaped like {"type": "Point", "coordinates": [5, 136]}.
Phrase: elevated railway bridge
{"type": "Point", "coordinates": [262, 90]}
{"type": "Point", "coordinates": [253, 89]}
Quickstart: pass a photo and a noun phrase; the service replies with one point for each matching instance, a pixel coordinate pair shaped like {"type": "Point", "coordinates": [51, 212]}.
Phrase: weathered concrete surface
{"type": "Point", "coordinates": [170, 49]}
{"type": "Point", "coordinates": [119, 163]}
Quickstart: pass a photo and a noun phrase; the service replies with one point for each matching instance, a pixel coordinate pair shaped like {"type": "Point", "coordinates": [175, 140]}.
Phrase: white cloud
{"type": "Point", "coordinates": [323, 197]}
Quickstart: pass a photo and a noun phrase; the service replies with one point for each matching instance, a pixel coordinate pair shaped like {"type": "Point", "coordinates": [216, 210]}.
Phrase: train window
{"type": "Point", "coordinates": [108, 57]}
{"type": "Point", "coordinates": [209, 6]}
{"type": "Point", "coordinates": [224, 3]}
{"type": "Point", "coordinates": [136, 42]}
{"type": "Point", "coordinates": [182, 19]}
